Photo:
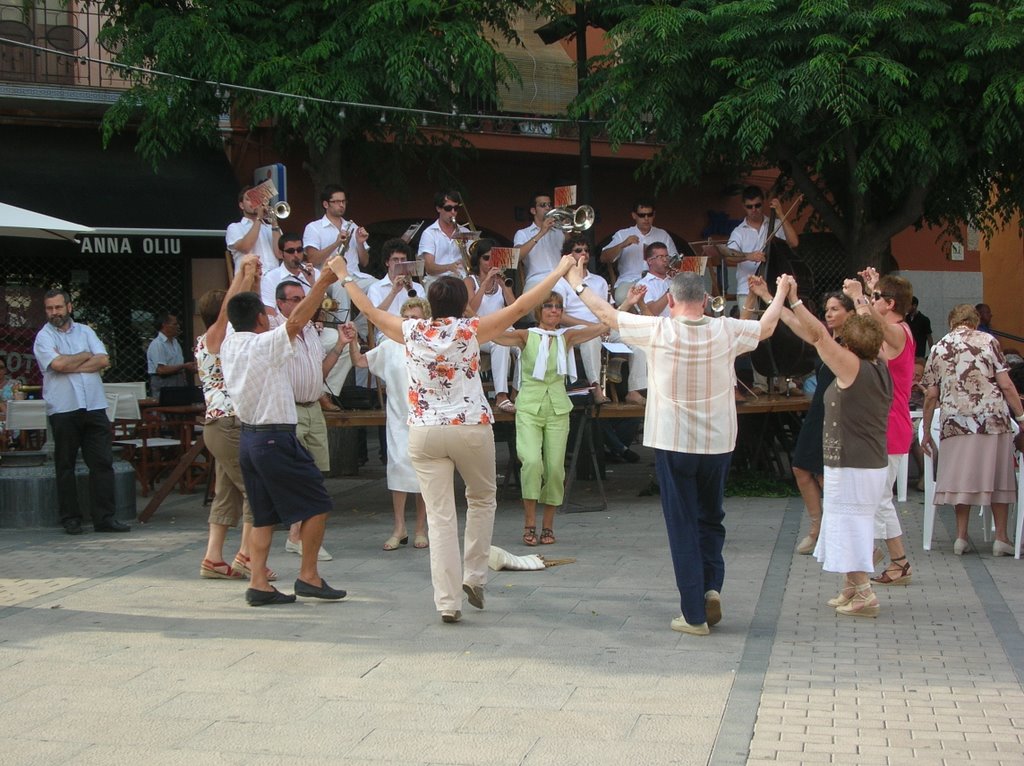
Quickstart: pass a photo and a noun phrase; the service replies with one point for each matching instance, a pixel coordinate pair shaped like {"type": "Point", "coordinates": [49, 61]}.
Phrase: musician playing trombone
{"type": "Point", "coordinates": [440, 249]}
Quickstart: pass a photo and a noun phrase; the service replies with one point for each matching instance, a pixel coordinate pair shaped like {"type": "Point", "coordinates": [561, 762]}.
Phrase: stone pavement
{"type": "Point", "coordinates": [112, 650]}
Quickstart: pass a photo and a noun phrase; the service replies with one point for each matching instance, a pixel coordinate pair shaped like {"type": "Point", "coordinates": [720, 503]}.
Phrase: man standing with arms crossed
{"type": "Point", "coordinates": [71, 357]}
{"type": "Point", "coordinates": [540, 243]}
{"type": "Point", "coordinates": [281, 479]}
{"type": "Point", "coordinates": [691, 424]}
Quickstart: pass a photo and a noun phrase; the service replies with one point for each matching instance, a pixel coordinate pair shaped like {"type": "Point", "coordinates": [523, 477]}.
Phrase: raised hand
{"type": "Point", "coordinates": [853, 289]}
{"type": "Point", "coordinates": [759, 288]}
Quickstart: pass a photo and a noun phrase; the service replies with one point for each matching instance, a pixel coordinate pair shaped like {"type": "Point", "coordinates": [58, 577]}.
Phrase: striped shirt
{"type": "Point", "coordinates": [690, 379]}
{"type": "Point", "coordinates": [305, 368]}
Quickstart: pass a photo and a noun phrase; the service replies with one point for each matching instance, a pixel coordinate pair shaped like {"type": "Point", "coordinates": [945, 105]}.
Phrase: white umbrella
{"type": "Point", "coordinates": [18, 222]}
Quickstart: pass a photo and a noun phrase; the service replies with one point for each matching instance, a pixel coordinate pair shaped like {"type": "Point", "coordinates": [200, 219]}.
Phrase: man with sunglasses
{"type": "Point", "coordinates": [626, 248]}
{"type": "Point", "coordinates": [438, 247]}
{"type": "Point", "coordinates": [747, 241]}
{"type": "Point", "coordinates": [540, 243]}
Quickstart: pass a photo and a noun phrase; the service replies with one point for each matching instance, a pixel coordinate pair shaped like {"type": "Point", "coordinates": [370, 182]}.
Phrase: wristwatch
{"type": "Point", "coordinates": [346, 279]}
{"type": "Point", "coordinates": [580, 288]}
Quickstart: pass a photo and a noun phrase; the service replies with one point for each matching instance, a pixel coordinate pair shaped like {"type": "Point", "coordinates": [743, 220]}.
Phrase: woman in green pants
{"type": "Point", "coordinates": [542, 411]}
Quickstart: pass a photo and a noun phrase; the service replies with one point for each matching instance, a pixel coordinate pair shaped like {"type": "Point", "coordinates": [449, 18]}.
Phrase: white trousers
{"type": "Point", "coordinates": [590, 352]}
{"type": "Point", "coordinates": [887, 523]}
{"type": "Point", "coordinates": [436, 452]}
{"type": "Point", "coordinates": [501, 362]}
{"type": "Point", "coordinates": [336, 377]}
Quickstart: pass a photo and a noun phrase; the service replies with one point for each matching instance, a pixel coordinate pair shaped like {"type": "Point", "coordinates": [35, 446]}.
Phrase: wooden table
{"type": "Point", "coordinates": [188, 415]}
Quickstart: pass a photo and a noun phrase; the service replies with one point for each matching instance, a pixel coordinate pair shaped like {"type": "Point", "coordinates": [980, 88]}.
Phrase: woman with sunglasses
{"type": "Point", "coordinates": [542, 411]}
{"type": "Point", "coordinates": [489, 293]}
{"type": "Point", "coordinates": [450, 423]}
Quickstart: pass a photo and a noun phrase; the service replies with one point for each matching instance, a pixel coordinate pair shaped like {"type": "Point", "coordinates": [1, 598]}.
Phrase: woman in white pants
{"type": "Point", "coordinates": [489, 293]}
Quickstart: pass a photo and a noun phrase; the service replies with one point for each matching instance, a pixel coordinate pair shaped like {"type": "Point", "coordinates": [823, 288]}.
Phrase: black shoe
{"type": "Point", "coordinates": [474, 594]}
{"type": "Point", "coordinates": [73, 527]}
{"type": "Point", "coordinates": [611, 457]}
{"type": "Point", "coordinates": [255, 597]}
{"type": "Point", "coordinates": [325, 591]}
{"type": "Point", "coordinates": [113, 525]}
{"type": "Point", "coordinates": [629, 456]}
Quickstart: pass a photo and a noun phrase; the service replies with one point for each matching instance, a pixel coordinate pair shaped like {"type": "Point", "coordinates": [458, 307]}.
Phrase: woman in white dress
{"type": "Point", "coordinates": [387, 362]}
{"type": "Point", "coordinates": [489, 293]}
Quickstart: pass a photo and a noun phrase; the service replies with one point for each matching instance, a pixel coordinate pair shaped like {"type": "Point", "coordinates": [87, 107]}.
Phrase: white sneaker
{"type": "Point", "coordinates": [680, 625]}
{"type": "Point", "coordinates": [296, 548]}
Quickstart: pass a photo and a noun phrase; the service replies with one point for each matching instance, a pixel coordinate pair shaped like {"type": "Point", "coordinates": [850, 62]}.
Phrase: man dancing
{"type": "Point", "coordinates": [281, 479]}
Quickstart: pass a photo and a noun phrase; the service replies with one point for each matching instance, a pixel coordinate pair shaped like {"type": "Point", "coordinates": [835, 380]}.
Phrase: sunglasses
{"type": "Point", "coordinates": [552, 306]}
{"type": "Point", "coordinates": [581, 249]}
{"type": "Point", "coordinates": [645, 215]}
{"type": "Point", "coordinates": [876, 295]}
{"type": "Point", "coordinates": [755, 206]}
{"type": "Point", "coordinates": [450, 208]}
{"type": "Point", "coordinates": [292, 250]}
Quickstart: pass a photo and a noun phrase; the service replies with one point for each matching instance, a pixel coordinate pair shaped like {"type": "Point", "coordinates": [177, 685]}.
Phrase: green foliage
{"type": "Point", "coordinates": [883, 114]}
{"type": "Point", "coordinates": [428, 54]}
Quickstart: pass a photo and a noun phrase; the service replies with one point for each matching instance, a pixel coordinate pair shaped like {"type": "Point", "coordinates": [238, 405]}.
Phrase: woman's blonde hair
{"type": "Point", "coordinates": [416, 303]}
{"type": "Point", "coordinates": [964, 314]}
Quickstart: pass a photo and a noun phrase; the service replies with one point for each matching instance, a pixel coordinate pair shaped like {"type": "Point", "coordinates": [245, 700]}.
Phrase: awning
{"type": "Point", "coordinates": [19, 222]}
{"type": "Point", "coordinates": [65, 172]}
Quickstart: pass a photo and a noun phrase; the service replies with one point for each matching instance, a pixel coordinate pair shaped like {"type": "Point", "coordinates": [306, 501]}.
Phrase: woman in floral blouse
{"type": "Point", "coordinates": [966, 377]}
{"type": "Point", "coordinates": [450, 423]}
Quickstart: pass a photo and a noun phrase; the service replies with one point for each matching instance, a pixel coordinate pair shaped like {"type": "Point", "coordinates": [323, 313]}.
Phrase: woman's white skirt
{"type": "Point", "coordinates": [846, 541]}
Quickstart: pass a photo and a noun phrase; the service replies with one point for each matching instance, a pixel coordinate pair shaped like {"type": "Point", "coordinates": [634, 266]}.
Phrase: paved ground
{"type": "Point", "coordinates": [112, 650]}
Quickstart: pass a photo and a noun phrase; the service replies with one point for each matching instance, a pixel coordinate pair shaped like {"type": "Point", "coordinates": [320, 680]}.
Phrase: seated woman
{"type": "Point", "coordinates": [387, 362]}
{"type": "Point", "coordinates": [542, 411]}
{"type": "Point", "coordinates": [854, 450]}
{"type": "Point", "coordinates": [489, 293]}
{"type": "Point", "coordinates": [10, 388]}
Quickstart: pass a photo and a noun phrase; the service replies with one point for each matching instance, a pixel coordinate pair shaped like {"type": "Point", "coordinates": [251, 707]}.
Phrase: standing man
{"type": "Point", "coordinates": [438, 247]}
{"type": "Point", "coordinates": [888, 300]}
{"type": "Point", "coordinates": [921, 328]}
{"type": "Point", "coordinates": [306, 371]}
{"type": "Point", "coordinates": [328, 235]}
{"type": "Point", "coordinates": [985, 315]}
{"type": "Point", "coordinates": [71, 357]}
{"type": "Point", "coordinates": [747, 241]}
{"type": "Point", "coordinates": [282, 481]}
{"type": "Point", "coordinates": [626, 248]}
{"type": "Point", "coordinates": [691, 424]}
{"type": "Point", "coordinates": [252, 234]}
{"type": "Point", "coordinates": [165, 362]}
{"type": "Point", "coordinates": [540, 243]}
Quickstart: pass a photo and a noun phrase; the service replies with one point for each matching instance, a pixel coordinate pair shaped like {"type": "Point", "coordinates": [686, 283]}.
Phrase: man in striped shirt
{"type": "Point", "coordinates": [691, 424]}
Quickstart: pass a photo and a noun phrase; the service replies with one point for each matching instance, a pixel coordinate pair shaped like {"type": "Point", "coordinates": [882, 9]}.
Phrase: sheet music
{"type": "Point", "coordinates": [412, 231]}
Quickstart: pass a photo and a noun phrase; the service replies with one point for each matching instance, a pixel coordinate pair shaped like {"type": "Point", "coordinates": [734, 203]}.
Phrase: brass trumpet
{"type": "Point", "coordinates": [575, 219]}
{"type": "Point", "coordinates": [717, 305]}
{"type": "Point", "coordinates": [277, 212]}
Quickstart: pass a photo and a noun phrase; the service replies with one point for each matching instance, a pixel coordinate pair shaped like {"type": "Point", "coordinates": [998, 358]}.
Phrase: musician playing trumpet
{"type": "Point", "coordinates": [253, 234]}
{"type": "Point", "coordinates": [439, 246]}
{"type": "Point", "coordinates": [489, 293]}
{"type": "Point", "coordinates": [388, 294]}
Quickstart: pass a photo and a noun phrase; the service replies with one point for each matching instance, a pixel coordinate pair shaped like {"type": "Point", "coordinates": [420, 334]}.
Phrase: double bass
{"type": "Point", "coordinates": [784, 354]}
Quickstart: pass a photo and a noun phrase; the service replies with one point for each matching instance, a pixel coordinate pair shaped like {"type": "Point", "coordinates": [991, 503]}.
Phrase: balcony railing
{"type": "Point", "coordinates": [66, 51]}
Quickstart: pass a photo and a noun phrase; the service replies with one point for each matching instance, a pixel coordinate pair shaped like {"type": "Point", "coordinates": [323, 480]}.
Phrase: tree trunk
{"type": "Point", "coordinates": [324, 167]}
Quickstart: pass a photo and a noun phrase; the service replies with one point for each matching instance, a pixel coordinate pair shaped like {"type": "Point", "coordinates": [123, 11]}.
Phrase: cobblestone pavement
{"type": "Point", "coordinates": [113, 650]}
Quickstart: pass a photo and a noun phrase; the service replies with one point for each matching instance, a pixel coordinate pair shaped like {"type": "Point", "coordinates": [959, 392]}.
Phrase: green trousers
{"type": "Point", "coordinates": [540, 442]}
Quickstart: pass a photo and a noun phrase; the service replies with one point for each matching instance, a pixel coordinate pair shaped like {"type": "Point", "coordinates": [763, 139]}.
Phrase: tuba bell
{"type": "Point", "coordinates": [572, 219]}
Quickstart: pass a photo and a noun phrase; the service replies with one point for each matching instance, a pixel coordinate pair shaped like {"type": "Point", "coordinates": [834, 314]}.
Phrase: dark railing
{"type": "Point", "coordinates": [64, 47]}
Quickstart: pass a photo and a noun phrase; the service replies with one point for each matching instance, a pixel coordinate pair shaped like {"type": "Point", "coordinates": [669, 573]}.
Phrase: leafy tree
{"type": "Point", "coordinates": [426, 54]}
{"type": "Point", "coordinates": [883, 113]}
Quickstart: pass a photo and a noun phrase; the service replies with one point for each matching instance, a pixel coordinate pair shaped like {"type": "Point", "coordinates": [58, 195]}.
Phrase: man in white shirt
{"type": "Point", "coordinates": [324, 237]}
{"type": "Point", "coordinates": [293, 268]}
{"type": "Point", "coordinates": [746, 243]}
{"type": "Point", "coordinates": [691, 424]}
{"type": "Point", "coordinates": [626, 248]}
{"type": "Point", "coordinates": [388, 294]}
{"type": "Point", "coordinates": [165, 361]}
{"type": "Point", "coordinates": [540, 243]}
{"type": "Point", "coordinates": [281, 479]}
{"type": "Point", "coordinates": [439, 248]}
{"type": "Point", "coordinates": [252, 234]}
{"type": "Point", "coordinates": [657, 281]}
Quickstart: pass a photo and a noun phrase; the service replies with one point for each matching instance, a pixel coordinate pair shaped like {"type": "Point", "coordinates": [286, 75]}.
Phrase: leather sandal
{"type": "Point", "coordinates": [547, 536]}
{"type": "Point", "coordinates": [530, 536]}
{"type": "Point", "coordinates": [895, 574]}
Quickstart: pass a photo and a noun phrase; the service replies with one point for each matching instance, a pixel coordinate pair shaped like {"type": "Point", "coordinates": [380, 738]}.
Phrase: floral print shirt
{"type": "Point", "coordinates": [964, 365]}
{"type": "Point", "coordinates": [443, 358]}
{"type": "Point", "coordinates": [218, 403]}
